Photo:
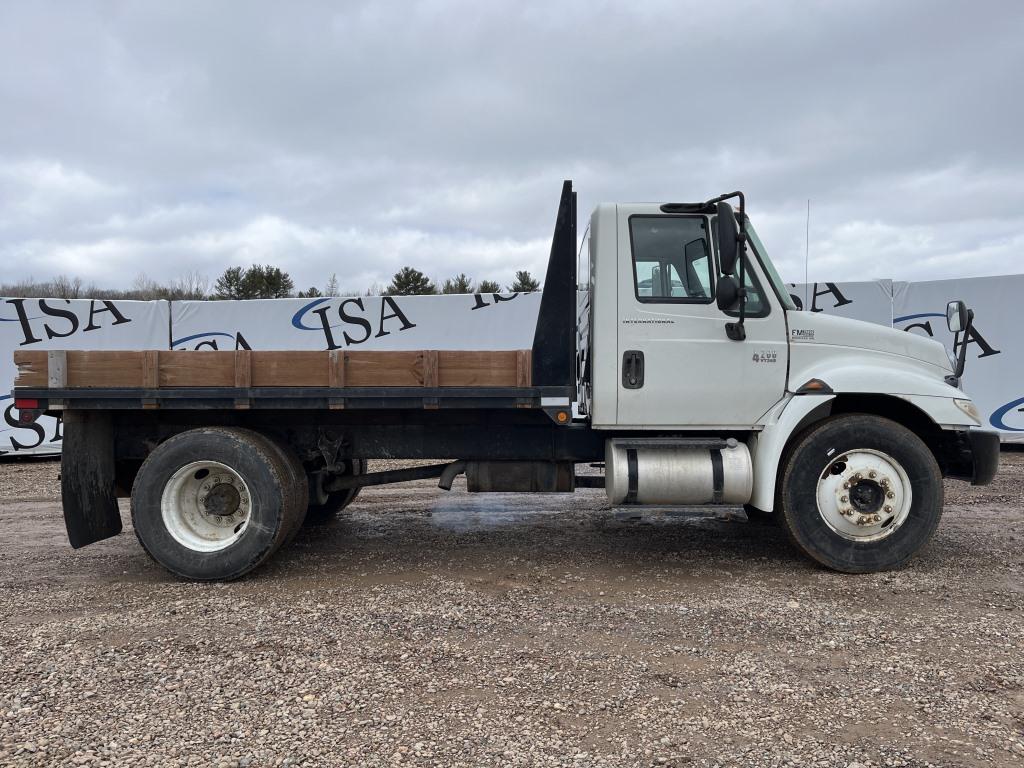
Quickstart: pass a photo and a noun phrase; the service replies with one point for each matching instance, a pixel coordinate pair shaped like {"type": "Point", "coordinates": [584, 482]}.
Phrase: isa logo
{"type": "Point", "coordinates": [1009, 417]}
{"type": "Point", "coordinates": [47, 319]}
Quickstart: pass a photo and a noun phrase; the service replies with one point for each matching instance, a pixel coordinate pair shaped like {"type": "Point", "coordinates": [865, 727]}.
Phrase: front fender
{"type": "Point", "coordinates": [781, 423]}
{"type": "Point", "coordinates": [898, 378]}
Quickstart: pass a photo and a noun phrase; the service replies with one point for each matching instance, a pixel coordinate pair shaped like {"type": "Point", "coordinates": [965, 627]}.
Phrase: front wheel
{"type": "Point", "coordinates": [860, 493]}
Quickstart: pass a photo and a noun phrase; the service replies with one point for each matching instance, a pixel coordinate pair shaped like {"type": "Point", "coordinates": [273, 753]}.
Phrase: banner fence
{"type": "Point", "coordinates": [994, 375]}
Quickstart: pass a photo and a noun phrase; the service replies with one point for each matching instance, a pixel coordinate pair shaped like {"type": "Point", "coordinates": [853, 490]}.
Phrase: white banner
{"type": "Point", "coordinates": [994, 375]}
{"type": "Point", "coordinates": [466, 322]}
{"type": "Point", "coordinates": [870, 300]}
{"type": "Point", "coordinates": [67, 324]}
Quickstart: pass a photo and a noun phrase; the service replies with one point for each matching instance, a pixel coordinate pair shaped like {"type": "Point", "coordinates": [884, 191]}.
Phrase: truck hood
{"type": "Point", "coordinates": [817, 328]}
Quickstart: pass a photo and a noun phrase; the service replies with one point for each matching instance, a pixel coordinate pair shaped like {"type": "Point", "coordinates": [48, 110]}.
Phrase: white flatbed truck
{"type": "Point", "coordinates": [690, 376]}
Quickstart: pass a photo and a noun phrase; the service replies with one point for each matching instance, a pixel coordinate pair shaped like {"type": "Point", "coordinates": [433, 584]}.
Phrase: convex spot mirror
{"type": "Point", "coordinates": [728, 238]}
{"type": "Point", "coordinates": [727, 293]}
{"type": "Point", "coordinates": [956, 316]}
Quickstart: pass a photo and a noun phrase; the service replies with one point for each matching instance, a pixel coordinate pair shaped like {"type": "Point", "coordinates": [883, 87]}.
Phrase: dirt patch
{"type": "Point", "coordinates": [455, 629]}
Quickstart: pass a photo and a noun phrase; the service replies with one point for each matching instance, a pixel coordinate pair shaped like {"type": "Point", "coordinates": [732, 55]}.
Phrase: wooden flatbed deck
{"type": "Point", "coordinates": [280, 379]}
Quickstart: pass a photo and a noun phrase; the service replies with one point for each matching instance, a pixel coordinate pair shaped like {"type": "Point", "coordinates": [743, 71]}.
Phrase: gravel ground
{"type": "Point", "coordinates": [426, 628]}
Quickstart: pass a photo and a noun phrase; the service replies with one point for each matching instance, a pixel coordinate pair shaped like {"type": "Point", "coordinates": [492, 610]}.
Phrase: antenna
{"type": "Point", "coordinates": [807, 251]}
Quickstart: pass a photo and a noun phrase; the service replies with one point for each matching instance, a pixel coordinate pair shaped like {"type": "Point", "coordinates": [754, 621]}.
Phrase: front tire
{"type": "Point", "coordinates": [860, 493]}
{"type": "Point", "coordinates": [212, 504]}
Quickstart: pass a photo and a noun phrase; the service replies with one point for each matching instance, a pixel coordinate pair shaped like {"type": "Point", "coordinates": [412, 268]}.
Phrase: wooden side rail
{"type": "Point", "coordinates": [155, 369]}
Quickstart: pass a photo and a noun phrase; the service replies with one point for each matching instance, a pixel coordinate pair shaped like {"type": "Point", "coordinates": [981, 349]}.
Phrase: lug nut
{"type": "Point", "coordinates": [872, 473]}
{"type": "Point", "coordinates": [890, 495]}
{"type": "Point", "coordinates": [843, 499]}
{"type": "Point", "coordinates": [888, 508]}
{"type": "Point", "coordinates": [846, 485]}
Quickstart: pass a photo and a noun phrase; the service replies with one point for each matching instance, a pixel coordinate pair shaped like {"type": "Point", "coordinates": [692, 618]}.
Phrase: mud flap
{"type": "Point", "coordinates": [87, 478]}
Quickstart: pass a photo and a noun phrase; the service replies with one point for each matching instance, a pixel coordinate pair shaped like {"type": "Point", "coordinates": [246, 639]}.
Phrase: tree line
{"type": "Point", "coordinates": [259, 281]}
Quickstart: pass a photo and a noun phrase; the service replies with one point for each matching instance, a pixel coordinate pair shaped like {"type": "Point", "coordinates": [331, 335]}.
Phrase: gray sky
{"type": "Point", "coordinates": [355, 138]}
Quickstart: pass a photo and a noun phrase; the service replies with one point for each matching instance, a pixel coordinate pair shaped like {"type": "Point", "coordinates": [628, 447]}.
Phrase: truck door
{"type": "Point", "coordinates": [677, 366]}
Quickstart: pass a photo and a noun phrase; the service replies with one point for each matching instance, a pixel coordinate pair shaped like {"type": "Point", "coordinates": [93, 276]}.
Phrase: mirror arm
{"type": "Point", "coordinates": [961, 358]}
{"type": "Point", "coordinates": [736, 331]}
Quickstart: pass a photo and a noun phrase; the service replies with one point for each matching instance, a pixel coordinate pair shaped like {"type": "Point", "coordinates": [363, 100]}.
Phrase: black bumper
{"type": "Point", "coordinates": [985, 455]}
{"type": "Point", "coordinates": [971, 454]}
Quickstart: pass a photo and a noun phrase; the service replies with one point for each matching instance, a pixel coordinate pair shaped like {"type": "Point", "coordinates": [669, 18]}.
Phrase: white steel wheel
{"type": "Point", "coordinates": [206, 506]}
{"type": "Point", "coordinates": [864, 495]}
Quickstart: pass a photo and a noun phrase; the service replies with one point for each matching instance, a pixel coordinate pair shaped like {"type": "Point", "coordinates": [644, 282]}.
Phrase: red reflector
{"type": "Point", "coordinates": [25, 404]}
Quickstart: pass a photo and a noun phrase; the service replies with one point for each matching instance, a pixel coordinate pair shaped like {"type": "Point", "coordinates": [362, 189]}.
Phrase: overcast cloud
{"type": "Point", "coordinates": [359, 137]}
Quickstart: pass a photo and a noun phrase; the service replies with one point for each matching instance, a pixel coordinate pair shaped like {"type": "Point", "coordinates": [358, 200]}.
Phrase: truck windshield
{"type": "Point", "coordinates": [762, 256]}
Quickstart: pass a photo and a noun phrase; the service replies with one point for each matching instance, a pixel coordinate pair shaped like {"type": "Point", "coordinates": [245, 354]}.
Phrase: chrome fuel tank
{"type": "Point", "coordinates": [656, 471]}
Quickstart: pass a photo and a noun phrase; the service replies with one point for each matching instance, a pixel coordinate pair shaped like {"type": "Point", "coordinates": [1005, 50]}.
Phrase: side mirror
{"type": "Point", "coordinates": [728, 238]}
{"type": "Point", "coordinates": [727, 293]}
{"type": "Point", "coordinates": [956, 316]}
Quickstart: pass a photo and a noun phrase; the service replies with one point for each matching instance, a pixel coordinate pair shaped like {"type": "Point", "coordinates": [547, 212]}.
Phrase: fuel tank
{"type": "Point", "coordinates": [660, 471]}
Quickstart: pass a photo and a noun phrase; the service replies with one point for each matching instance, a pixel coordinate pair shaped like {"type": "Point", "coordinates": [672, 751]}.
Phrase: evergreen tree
{"type": "Point", "coordinates": [229, 285]}
{"type": "Point", "coordinates": [312, 293]}
{"type": "Point", "coordinates": [260, 281]}
{"type": "Point", "coordinates": [410, 282]}
{"type": "Point", "coordinates": [524, 283]}
{"type": "Point", "coordinates": [458, 284]}
{"type": "Point", "coordinates": [488, 286]}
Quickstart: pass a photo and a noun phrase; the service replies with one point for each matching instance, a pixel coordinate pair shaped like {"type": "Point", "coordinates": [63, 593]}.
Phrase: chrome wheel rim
{"type": "Point", "coordinates": [206, 506]}
{"type": "Point", "coordinates": [864, 495]}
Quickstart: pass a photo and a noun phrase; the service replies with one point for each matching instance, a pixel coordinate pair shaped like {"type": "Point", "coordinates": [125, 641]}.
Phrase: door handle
{"type": "Point", "coordinates": [632, 369]}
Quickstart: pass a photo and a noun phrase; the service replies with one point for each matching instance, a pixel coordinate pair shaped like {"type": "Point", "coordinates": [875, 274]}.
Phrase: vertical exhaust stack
{"type": "Point", "coordinates": [554, 341]}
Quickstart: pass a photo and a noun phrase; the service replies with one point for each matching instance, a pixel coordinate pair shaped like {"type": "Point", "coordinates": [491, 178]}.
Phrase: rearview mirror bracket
{"type": "Point", "coordinates": [733, 251]}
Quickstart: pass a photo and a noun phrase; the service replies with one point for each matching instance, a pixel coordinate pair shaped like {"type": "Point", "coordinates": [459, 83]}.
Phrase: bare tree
{"type": "Point", "coordinates": [64, 287]}
{"type": "Point", "coordinates": [192, 286]}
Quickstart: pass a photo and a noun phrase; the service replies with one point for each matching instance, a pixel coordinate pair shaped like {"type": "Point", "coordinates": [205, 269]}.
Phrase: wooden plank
{"type": "Point", "coordinates": [290, 369]}
{"type": "Point", "coordinates": [243, 376]}
{"type": "Point", "coordinates": [100, 369]}
{"type": "Point", "coordinates": [384, 369]}
{"type": "Point", "coordinates": [191, 368]}
{"type": "Point", "coordinates": [32, 368]}
{"type": "Point", "coordinates": [336, 372]}
{"type": "Point", "coordinates": [477, 369]}
{"type": "Point", "coordinates": [430, 368]}
{"type": "Point", "coordinates": [151, 369]}
{"type": "Point", "coordinates": [56, 369]}
{"type": "Point", "coordinates": [336, 377]}
{"type": "Point", "coordinates": [242, 369]}
{"type": "Point", "coordinates": [524, 367]}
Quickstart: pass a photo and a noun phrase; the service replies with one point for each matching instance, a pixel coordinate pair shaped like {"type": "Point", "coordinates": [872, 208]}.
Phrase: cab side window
{"type": "Point", "coordinates": [671, 259]}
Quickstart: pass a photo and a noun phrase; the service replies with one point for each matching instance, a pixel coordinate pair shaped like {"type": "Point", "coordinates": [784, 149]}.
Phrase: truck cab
{"type": "Point", "coordinates": [686, 340]}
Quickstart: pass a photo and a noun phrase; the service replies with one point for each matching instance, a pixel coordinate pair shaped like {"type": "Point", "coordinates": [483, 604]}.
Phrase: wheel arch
{"type": "Point", "coordinates": [804, 411]}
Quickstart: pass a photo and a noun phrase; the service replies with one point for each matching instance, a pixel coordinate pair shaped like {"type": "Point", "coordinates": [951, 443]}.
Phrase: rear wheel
{"type": "Point", "coordinates": [860, 493]}
{"type": "Point", "coordinates": [325, 505]}
{"type": "Point", "coordinates": [212, 504]}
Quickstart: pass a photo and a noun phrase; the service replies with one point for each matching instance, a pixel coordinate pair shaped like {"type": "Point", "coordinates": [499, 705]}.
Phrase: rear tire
{"type": "Point", "coordinates": [330, 504]}
{"type": "Point", "coordinates": [212, 504]}
{"type": "Point", "coordinates": [860, 493]}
